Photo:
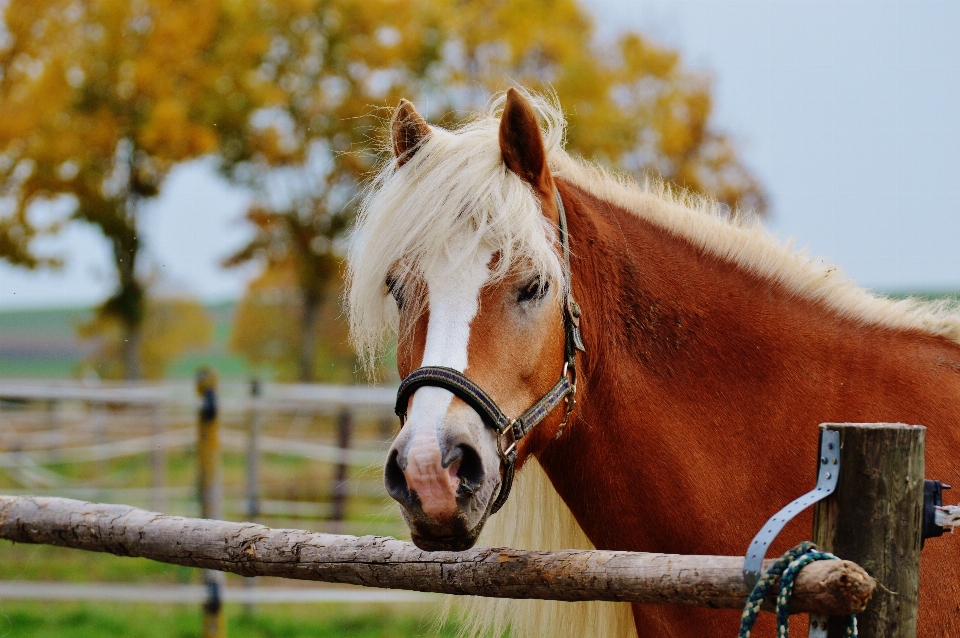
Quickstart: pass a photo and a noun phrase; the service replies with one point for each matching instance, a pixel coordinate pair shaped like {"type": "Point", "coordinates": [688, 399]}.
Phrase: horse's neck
{"type": "Point", "coordinates": [703, 386]}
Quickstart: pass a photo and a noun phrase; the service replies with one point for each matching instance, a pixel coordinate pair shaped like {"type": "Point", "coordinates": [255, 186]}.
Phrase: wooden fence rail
{"type": "Point", "coordinates": [827, 587]}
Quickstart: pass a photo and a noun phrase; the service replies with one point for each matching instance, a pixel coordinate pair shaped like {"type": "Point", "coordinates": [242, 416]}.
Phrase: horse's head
{"type": "Point", "coordinates": [458, 244]}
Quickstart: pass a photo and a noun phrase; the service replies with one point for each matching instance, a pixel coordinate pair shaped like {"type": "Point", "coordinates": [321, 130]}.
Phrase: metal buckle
{"type": "Point", "coordinates": [511, 447]}
{"type": "Point", "coordinates": [569, 371]}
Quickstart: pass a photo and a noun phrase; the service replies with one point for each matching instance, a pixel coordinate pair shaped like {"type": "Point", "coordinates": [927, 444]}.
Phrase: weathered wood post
{"type": "Point", "coordinates": [55, 426]}
{"type": "Point", "coordinates": [339, 505]}
{"type": "Point", "coordinates": [828, 587]}
{"type": "Point", "coordinates": [158, 458]}
{"type": "Point", "coordinates": [209, 485]}
{"type": "Point", "coordinates": [254, 428]}
{"type": "Point", "coordinates": [874, 519]}
{"type": "Point", "coordinates": [99, 422]}
{"type": "Point", "coordinates": [385, 427]}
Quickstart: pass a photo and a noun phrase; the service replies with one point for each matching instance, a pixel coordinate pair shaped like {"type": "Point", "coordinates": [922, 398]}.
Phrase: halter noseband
{"type": "Point", "coordinates": [511, 431]}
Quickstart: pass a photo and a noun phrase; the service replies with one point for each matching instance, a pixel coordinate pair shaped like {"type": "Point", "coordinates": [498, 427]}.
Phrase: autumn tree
{"type": "Point", "coordinates": [177, 324]}
{"type": "Point", "coordinates": [331, 62]}
{"type": "Point", "coordinates": [16, 235]}
{"type": "Point", "coordinates": [99, 99]}
{"type": "Point", "coordinates": [267, 328]}
{"type": "Point", "coordinates": [630, 103]}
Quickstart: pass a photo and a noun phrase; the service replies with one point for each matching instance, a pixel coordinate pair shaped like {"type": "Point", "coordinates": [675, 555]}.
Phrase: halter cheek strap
{"type": "Point", "coordinates": [511, 431]}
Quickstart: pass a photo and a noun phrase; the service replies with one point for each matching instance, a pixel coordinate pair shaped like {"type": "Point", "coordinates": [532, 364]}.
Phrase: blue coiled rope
{"type": "Point", "coordinates": [786, 569]}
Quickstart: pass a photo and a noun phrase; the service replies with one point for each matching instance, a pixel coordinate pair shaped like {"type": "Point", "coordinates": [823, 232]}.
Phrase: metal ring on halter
{"type": "Point", "coordinates": [511, 448]}
{"type": "Point", "coordinates": [569, 371]}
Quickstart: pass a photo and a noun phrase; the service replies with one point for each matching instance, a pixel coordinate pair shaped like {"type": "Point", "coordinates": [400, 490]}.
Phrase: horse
{"type": "Point", "coordinates": [711, 352]}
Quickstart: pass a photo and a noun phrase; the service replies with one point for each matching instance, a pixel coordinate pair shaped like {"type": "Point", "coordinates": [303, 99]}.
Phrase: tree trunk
{"type": "Point", "coordinates": [128, 303]}
{"type": "Point", "coordinates": [130, 352]}
{"type": "Point", "coordinates": [308, 335]}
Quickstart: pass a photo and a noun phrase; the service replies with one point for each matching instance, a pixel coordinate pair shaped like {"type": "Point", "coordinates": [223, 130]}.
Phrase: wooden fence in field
{"type": "Point", "coordinates": [869, 513]}
{"type": "Point", "coordinates": [148, 411]}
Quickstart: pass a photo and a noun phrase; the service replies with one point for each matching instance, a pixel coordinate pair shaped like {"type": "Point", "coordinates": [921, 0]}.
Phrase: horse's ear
{"type": "Point", "coordinates": [408, 129]}
{"type": "Point", "coordinates": [522, 145]}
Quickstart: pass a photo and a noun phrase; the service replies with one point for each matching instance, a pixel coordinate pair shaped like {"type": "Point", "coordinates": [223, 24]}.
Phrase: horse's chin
{"type": "Point", "coordinates": [457, 534]}
{"type": "Point", "coordinates": [446, 543]}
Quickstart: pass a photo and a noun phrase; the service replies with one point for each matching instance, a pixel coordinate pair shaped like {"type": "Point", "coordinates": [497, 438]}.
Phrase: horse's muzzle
{"type": "Point", "coordinates": [444, 487]}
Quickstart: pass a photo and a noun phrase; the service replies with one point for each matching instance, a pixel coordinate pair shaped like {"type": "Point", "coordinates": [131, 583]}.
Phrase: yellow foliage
{"type": "Point", "coordinates": [171, 328]}
{"type": "Point", "coordinates": [267, 329]}
{"type": "Point", "coordinates": [630, 103]}
{"type": "Point", "coordinates": [99, 99]}
{"type": "Point", "coordinates": [169, 129]}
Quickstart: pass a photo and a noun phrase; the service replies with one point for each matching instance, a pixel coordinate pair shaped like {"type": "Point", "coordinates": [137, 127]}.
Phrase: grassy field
{"type": "Point", "coordinates": [86, 620]}
{"type": "Point", "coordinates": [283, 478]}
{"type": "Point", "coordinates": [287, 478]}
{"type": "Point", "coordinates": [42, 344]}
{"type": "Point", "coordinates": [35, 619]}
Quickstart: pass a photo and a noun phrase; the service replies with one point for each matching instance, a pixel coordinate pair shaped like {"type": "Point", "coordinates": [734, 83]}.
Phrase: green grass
{"type": "Point", "coordinates": [61, 324]}
{"type": "Point", "coordinates": [56, 323]}
{"type": "Point", "coordinates": [24, 619]}
{"type": "Point", "coordinates": [48, 563]}
{"type": "Point", "coordinates": [13, 368]}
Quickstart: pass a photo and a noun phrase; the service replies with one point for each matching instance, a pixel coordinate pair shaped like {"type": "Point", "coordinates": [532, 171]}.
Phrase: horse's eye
{"type": "Point", "coordinates": [533, 291]}
{"type": "Point", "coordinates": [394, 287]}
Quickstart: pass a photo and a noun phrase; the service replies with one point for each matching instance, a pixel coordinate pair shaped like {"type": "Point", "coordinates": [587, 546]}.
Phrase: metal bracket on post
{"type": "Point", "coordinates": [818, 626]}
{"type": "Point", "coordinates": [829, 463]}
{"type": "Point", "coordinates": [932, 503]}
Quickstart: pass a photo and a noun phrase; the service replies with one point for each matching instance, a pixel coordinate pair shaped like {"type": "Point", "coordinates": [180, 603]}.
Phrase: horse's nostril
{"type": "Point", "coordinates": [470, 471]}
{"type": "Point", "coordinates": [393, 478]}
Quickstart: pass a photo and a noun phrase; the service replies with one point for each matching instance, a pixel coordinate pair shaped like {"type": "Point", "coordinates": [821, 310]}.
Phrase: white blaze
{"type": "Point", "coordinates": [454, 299]}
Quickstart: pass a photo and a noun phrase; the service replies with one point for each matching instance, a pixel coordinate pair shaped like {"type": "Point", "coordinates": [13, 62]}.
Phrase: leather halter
{"type": "Point", "coordinates": [511, 431]}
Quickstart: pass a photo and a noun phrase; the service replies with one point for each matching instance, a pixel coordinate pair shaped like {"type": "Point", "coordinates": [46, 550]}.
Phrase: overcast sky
{"type": "Point", "coordinates": [849, 112]}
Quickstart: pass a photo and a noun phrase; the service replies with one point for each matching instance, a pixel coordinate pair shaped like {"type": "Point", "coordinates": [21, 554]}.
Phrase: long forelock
{"type": "Point", "coordinates": [454, 197]}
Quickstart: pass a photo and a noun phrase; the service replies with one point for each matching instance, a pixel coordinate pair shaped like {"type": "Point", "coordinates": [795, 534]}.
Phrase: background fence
{"type": "Point", "coordinates": [305, 456]}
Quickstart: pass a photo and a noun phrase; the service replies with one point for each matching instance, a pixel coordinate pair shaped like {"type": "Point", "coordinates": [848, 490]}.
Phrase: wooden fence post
{"type": "Point", "coordinates": [158, 459]}
{"type": "Point", "coordinates": [385, 427]}
{"type": "Point", "coordinates": [55, 426]}
{"type": "Point", "coordinates": [828, 586]}
{"type": "Point", "coordinates": [209, 483]}
{"type": "Point", "coordinates": [254, 427]}
{"type": "Point", "coordinates": [874, 519]}
{"type": "Point", "coordinates": [339, 504]}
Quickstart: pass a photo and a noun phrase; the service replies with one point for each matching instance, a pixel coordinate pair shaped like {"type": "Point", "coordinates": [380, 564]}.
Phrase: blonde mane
{"type": "Point", "coordinates": [456, 185]}
{"type": "Point", "coordinates": [535, 517]}
{"type": "Point", "coordinates": [743, 240]}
